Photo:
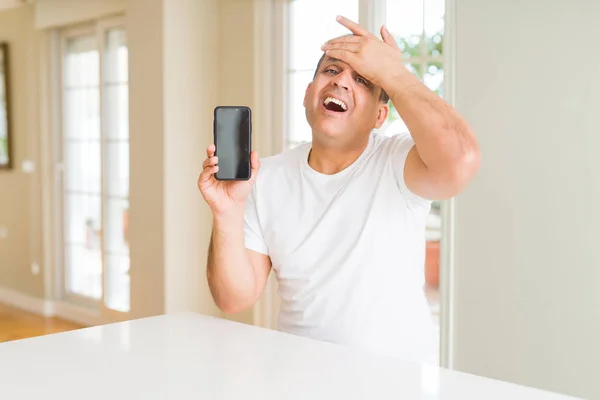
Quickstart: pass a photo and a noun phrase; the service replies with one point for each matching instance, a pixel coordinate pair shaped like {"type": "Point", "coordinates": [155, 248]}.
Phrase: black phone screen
{"type": "Point", "coordinates": [232, 142]}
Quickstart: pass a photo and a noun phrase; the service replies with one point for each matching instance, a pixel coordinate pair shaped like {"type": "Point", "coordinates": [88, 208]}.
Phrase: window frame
{"type": "Point", "coordinates": [97, 28]}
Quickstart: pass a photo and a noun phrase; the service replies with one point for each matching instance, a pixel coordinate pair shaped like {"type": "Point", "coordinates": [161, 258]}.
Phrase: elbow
{"type": "Point", "coordinates": [469, 164]}
{"type": "Point", "coordinates": [230, 308]}
{"type": "Point", "coordinates": [466, 162]}
{"type": "Point", "coordinates": [233, 306]}
{"type": "Point", "coordinates": [459, 174]}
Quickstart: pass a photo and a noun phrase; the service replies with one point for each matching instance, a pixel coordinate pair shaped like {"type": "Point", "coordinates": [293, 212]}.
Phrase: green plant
{"type": "Point", "coordinates": [3, 147]}
{"type": "Point", "coordinates": [412, 47]}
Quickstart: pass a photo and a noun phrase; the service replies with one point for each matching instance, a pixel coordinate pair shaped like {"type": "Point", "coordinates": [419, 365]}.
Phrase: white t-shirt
{"type": "Point", "coordinates": [348, 249]}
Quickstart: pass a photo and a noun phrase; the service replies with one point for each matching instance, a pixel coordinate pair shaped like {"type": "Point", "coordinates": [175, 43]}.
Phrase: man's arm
{"type": "Point", "coordinates": [446, 154]}
{"type": "Point", "coordinates": [236, 275]}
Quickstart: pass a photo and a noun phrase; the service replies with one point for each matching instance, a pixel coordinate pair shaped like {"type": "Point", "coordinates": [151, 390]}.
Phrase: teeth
{"type": "Point", "coordinates": [336, 101]}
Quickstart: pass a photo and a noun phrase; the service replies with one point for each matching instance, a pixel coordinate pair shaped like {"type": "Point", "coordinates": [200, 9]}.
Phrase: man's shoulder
{"type": "Point", "coordinates": [287, 159]}
{"type": "Point", "coordinates": [390, 139]}
{"type": "Point", "coordinates": [284, 166]}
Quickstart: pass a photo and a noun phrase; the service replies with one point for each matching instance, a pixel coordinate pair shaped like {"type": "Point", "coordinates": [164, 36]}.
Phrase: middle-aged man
{"type": "Point", "coordinates": [341, 220]}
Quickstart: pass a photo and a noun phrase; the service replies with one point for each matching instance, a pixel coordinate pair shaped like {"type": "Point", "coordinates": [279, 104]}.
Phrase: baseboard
{"type": "Point", "coordinates": [48, 308]}
{"type": "Point", "coordinates": [80, 315]}
{"type": "Point", "coordinates": [27, 302]}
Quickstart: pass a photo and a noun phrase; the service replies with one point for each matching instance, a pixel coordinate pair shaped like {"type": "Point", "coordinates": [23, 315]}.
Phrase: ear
{"type": "Point", "coordinates": [306, 94]}
{"type": "Point", "coordinates": [382, 114]}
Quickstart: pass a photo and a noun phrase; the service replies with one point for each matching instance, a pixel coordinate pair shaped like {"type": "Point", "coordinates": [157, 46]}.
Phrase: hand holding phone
{"type": "Point", "coordinates": [228, 193]}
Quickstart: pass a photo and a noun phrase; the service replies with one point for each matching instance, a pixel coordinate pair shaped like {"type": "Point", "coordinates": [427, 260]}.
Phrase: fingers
{"type": "Point", "coordinates": [210, 151]}
{"type": "Point", "coordinates": [342, 39]}
{"type": "Point", "coordinates": [352, 26]}
{"type": "Point", "coordinates": [341, 45]}
{"type": "Point", "coordinates": [388, 38]}
{"type": "Point", "coordinates": [209, 162]}
{"type": "Point", "coordinates": [254, 161]}
{"type": "Point", "coordinates": [343, 55]}
{"type": "Point", "coordinates": [206, 177]}
{"type": "Point", "coordinates": [209, 168]}
{"type": "Point", "coordinates": [254, 164]}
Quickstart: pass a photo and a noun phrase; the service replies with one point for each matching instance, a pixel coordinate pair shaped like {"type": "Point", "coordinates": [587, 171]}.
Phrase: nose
{"type": "Point", "coordinates": [341, 86]}
{"type": "Point", "coordinates": [342, 79]}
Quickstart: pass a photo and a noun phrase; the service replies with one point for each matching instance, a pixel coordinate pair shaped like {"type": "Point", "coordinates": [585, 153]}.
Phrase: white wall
{"type": "Point", "coordinates": [527, 292]}
{"type": "Point", "coordinates": [56, 13]}
{"type": "Point", "coordinates": [146, 187]}
{"type": "Point", "coordinates": [20, 205]}
{"type": "Point", "coordinates": [191, 68]}
{"type": "Point", "coordinates": [173, 89]}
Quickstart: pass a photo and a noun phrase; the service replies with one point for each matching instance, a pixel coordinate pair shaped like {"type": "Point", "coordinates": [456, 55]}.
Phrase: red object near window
{"type": "Point", "coordinates": [432, 264]}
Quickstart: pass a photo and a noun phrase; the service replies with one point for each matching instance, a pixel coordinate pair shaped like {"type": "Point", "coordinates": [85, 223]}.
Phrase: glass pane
{"type": "Point", "coordinates": [434, 26]}
{"type": "Point", "coordinates": [83, 220]}
{"type": "Point", "coordinates": [117, 168]}
{"type": "Point", "coordinates": [117, 282]}
{"type": "Point", "coordinates": [81, 110]}
{"type": "Point", "coordinates": [117, 225]}
{"type": "Point", "coordinates": [434, 77]}
{"type": "Point", "coordinates": [312, 23]}
{"type": "Point", "coordinates": [435, 45]}
{"type": "Point", "coordinates": [116, 108]}
{"type": "Point", "coordinates": [84, 271]}
{"type": "Point", "coordinates": [416, 69]}
{"type": "Point", "coordinates": [115, 61]}
{"type": "Point", "coordinates": [298, 128]}
{"type": "Point", "coordinates": [404, 19]}
{"type": "Point", "coordinates": [117, 258]}
{"type": "Point", "coordinates": [82, 166]}
{"type": "Point", "coordinates": [394, 124]}
{"type": "Point", "coordinates": [81, 62]}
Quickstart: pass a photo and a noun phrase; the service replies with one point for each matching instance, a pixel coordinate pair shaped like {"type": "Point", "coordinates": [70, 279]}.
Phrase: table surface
{"type": "Point", "coordinates": [188, 355]}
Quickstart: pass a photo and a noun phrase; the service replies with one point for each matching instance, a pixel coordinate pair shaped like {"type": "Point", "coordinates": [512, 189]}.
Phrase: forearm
{"type": "Point", "coordinates": [443, 139]}
{"type": "Point", "coordinates": [231, 277]}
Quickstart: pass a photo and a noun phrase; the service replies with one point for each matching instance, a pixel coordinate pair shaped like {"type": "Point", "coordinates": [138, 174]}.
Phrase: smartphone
{"type": "Point", "coordinates": [232, 138]}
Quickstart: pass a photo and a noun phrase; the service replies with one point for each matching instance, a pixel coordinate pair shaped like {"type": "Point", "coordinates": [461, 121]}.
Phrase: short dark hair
{"type": "Point", "coordinates": [383, 96]}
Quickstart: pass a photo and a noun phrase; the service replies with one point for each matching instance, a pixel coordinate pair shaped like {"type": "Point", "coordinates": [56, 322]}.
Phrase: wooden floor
{"type": "Point", "coordinates": [17, 324]}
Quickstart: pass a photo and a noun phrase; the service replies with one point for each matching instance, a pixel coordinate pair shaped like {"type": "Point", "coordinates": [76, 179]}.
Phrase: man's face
{"type": "Point", "coordinates": [341, 103]}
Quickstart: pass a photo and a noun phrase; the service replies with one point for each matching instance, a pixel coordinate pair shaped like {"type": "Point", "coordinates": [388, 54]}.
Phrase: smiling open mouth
{"type": "Point", "coordinates": [336, 105]}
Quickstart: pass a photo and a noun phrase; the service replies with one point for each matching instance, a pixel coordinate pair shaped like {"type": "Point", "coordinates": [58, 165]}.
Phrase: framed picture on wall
{"type": "Point", "coordinates": [5, 116]}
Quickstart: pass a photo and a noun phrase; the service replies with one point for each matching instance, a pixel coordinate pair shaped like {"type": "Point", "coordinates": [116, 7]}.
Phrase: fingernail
{"type": "Point", "coordinates": [338, 18]}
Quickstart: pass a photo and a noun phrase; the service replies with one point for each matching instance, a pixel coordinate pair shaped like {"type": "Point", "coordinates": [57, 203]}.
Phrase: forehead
{"type": "Point", "coordinates": [330, 60]}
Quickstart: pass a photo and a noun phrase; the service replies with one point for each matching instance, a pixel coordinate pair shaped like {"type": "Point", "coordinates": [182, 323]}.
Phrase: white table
{"type": "Point", "coordinates": [189, 356]}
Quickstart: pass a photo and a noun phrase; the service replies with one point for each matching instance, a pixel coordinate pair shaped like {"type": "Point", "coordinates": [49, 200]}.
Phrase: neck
{"type": "Point", "coordinates": [329, 160]}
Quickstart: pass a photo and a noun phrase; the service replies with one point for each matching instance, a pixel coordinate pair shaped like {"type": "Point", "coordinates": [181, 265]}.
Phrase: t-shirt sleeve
{"type": "Point", "coordinates": [252, 228]}
{"type": "Point", "coordinates": [401, 145]}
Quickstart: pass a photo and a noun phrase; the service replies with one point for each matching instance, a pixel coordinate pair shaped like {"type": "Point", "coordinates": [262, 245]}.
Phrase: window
{"type": "Point", "coordinates": [95, 166]}
{"type": "Point", "coordinates": [418, 27]}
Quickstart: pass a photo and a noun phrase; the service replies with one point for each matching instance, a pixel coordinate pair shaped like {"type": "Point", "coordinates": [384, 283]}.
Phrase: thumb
{"type": "Point", "coordinates": [387, 37]}
{"type": "Point", "coordinates": [254, 164]}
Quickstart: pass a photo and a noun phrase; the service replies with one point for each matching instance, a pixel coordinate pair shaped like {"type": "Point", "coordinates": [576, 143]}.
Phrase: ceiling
{"type": "Point", "coordinates": [6, 4]}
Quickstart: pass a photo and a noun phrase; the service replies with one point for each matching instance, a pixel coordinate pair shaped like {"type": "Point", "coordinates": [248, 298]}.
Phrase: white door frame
{"type": "Point", "coordinates": [63, 304]}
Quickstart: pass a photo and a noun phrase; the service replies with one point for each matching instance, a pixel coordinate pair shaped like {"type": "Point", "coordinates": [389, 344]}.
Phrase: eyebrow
{"type": "Point", "coordinates": [370, 84]}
